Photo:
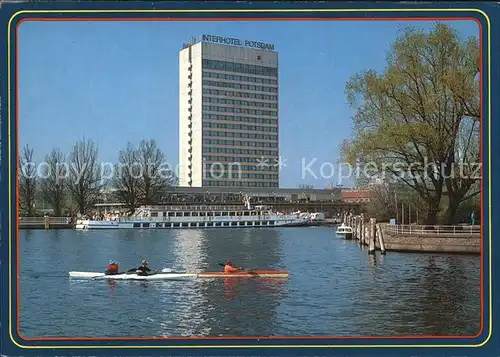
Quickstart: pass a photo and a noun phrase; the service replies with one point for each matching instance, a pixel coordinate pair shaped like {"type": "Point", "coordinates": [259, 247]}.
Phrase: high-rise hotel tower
{"type": "Point", "coordinates": [228, 120]}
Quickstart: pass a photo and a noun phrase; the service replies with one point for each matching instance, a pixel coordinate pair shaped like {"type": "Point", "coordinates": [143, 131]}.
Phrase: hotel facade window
{"type": "Point", "coordinates": [228, 116]}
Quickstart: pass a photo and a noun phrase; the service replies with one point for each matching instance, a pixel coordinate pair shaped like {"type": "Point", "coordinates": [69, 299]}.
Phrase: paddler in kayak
{"type": "Point", "coordinates": [228, 268]}
{"type": "Point", "coordinates": [112, 268]}
{"type": "Point", "coordinates": [143, 269]}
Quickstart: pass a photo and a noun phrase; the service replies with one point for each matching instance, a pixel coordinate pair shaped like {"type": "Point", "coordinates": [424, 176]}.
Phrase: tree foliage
{"type": "Point", "coordinates": [419, 119]}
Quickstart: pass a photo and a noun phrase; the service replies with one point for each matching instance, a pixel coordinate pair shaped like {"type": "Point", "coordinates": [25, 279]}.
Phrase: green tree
{"type": "Point", "coordinates": [410, 118]}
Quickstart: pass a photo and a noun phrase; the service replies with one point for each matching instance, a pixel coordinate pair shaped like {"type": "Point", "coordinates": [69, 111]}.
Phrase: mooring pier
{"type": "Point", "coordinates": [414, 238]}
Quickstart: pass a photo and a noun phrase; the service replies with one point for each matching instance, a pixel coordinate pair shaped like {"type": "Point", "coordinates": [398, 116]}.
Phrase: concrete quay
{"type": "Point", "coordinates": [45, 223]}
{"type": "Point", "coordinates": [463, 239]}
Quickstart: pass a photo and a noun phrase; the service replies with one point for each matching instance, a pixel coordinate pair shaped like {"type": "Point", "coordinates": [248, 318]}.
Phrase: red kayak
{"type": "Point", "coordinates": [246, 274]}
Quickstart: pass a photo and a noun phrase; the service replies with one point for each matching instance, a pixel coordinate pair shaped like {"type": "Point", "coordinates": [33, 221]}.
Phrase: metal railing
{"type": "Point", "coordinates": [277, 217]}
{"type": "Point", "coordinates": [26, 221]}
{"type": "Point", "coordinates": [167, 208]}
{"type": "Point", "coordinates": [429, 230]}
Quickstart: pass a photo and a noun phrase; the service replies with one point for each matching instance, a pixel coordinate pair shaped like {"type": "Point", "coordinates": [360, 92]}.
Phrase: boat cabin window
{"type": "Point", "coordinates": [164, 214]}
{"type": "Point", "coordinates": [232, 214]}
{"type": "Point", "coordinates": [154, 214]}
{"type": "Point", "coordinates": [239, 214]}
{"type": "Point", "coordinates": [202, 214]}
{"type": "Point", "coordinates": [194, 214]}
{"type": "Point", "coordinates": [210, 214]}
{"type": "Point", "coordinates": [246, 213]}
{"type": "Point", "coordinates": [178, 214]}
{"type": "Point", "coordinates": [224, 213]}
{"type": "Point", "coordinates": [171, 214]}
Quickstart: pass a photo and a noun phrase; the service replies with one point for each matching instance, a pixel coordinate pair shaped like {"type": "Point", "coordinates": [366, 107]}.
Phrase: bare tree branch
{"type": "Point", "coordinates": [85, 175]}
{"type": "Point", "coordinates": [53, 181]}
{"type": "Point", "coordinates": [28, 181]}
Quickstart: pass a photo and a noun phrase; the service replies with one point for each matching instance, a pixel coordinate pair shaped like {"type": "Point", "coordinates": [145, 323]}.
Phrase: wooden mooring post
{"type": "Point", "coordinates": [380, 239]}
{"type": "Point", "coordinates": [367, 232]}
{"type": "Point", "coordinates": [372, 236]}
{"type": "Point", "coordinates": [362, 230]}
{"type": "Point", "coordinates": [354, 228]}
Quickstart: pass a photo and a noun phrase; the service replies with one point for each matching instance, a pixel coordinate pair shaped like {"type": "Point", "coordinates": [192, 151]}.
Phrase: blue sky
{"type": "Point", "coordinates": [115, 82]}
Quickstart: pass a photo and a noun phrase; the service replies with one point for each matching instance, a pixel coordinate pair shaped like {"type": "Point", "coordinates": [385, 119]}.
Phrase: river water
{"type": "Point", "coordinates": [334, 287]}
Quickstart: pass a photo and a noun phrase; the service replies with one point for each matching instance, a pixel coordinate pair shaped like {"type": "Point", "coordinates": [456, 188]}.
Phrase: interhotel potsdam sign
{"type": "Point", "coordinates": [238, 42]}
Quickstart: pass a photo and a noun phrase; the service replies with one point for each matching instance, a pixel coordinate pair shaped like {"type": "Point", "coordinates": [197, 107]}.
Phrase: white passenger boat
{"type": "Point", "coordinates": [344, 231]}
{"type": "Point", "coordinates": [198, 217]}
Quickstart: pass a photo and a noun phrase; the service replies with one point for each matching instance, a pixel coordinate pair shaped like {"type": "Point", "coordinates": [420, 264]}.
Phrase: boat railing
{"type": "Point", "coordinates": [434, 230]}
{"type": "Point", "coordinates": [202, 218]}
{"type": "Point", "coordinates": [191, 208]}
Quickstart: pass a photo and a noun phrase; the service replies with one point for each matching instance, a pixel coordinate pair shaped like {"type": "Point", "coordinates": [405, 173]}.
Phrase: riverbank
{"type": "Point", "coordinates": [455, 241]}
{"type": "Point", "coordinates": [45, 223]}
{"type": "Point", "coordinates": [42, 226]}
{"type": "Point", "coordinates": [464, 239]}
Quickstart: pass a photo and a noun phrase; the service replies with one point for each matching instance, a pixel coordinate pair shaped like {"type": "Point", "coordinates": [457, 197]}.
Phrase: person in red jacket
{"type": "Point", "coordinates": [112, 268]}
{"type": "Point", "coordinates": [228, 268]}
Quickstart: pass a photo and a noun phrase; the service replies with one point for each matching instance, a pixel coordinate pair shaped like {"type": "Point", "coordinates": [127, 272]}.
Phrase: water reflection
{"type": "Point", "coordinates": [230, 286]}
{"type": "Point", "coordinates": [181, 308]}
{"type": "Point", "coordinates": [444, 284]}
{"type": "Point", "coordinates": [188, 249]}
{"type": "Point", "coordinates": [334, 287]}
{"type": "Point", "coordinates": [112, 285]}
{"type": "Point", "coordinates": [28, 234]}
{"type": "Point", "coordinates": [232, 305]}
{"type": "Point", "coordinates": [56, 236]}
{"type": "Point", "coordinates": [237, 307]}
{"type": "Point", "coordinates": [181, 301]}
{"type": "Point", "coordinates": [250, 248]}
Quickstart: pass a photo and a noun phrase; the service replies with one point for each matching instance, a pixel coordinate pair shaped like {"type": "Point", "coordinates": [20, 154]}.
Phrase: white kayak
{"type": "Point", "coordinates": [164, 274]}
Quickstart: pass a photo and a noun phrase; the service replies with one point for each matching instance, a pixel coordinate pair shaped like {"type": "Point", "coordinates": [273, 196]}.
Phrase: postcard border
{"type": "Point", "coordinates": [394, 10]}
